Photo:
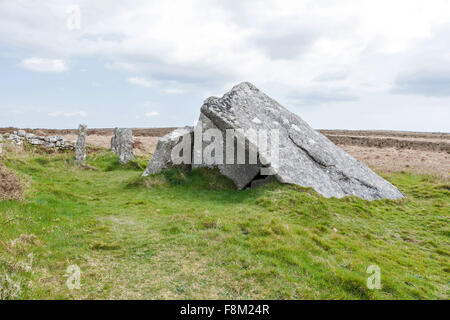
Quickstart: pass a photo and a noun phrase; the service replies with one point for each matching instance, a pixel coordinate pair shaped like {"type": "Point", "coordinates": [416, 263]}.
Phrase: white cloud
{"type": "Point", "coordinates": [213, 44]}
{"type": "Point", "coordinates": [140, 82]}
{"type": "Point", "coordinates": [167, 87]}
{"type": "Point", "coordinates": [82, 114]}
{"type": "Point", "coordinates": [43, 65]}
{"type": "Point", "coordinates": [152, 114]}
{"type": "Point", "coordinates": [291, 48]}
{"type": "Point", "coordinates": [174, 91]}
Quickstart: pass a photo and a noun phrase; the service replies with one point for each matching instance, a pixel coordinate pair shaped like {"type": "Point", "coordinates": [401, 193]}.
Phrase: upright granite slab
{"type": "Point", "coordinates": [113, 141]}
{"type": "Point", "coordinates": [122, 144]}
{"type": "Point", "coordinates": [80, 146]}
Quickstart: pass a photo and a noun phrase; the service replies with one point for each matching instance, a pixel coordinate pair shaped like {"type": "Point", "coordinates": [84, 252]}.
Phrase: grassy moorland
{"type": "Point", "coordinates": [191, 235]}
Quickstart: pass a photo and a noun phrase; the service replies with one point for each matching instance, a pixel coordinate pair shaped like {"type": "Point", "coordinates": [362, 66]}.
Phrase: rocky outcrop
{"type": "Point", "coordinates": [302, 155]}
{"type": "Point", "coordinates": [80, 146]}
{"type": "Point", "coordinates": [162, 158]}
{"type": "Point", "coordinates": [16, 139]}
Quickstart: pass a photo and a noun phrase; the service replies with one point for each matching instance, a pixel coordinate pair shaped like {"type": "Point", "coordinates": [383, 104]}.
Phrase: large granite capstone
{"type": "Point", "coordinates": [305, 157]}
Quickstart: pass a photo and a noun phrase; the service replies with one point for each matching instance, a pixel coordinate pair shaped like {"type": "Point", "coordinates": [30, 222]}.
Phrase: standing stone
{"type": "Point", "coordinates": [113, 141]}
{"type": "Point", "coordinates": [123, 144]}
{"type": "Point", "coordinates": [1, 145]}
{"type": "Point", "coordinates": [80, 146]}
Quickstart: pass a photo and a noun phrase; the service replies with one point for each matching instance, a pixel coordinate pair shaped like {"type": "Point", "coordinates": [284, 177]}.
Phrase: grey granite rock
{"type": "Point", "coordinates": [306, 157]}
{"type": "Point", "coordinates": [57, 142]}
{"type": "Point", "coordinates": [29, 136]}
{"type": "Point", "coordinates": [113, 141]}
{"type": "Point", "coordinates": [123, 144]}
{"type": "Point", "coordinates": [80, 146]}
{"type": "Point", "coordinates": [241, 174]}
{"type": "Point", "coordinates": [16, 139]}
{"type": "Point", "coordinates": [21, 133]}
{"type": "Point", "coordinates": [162, 158]}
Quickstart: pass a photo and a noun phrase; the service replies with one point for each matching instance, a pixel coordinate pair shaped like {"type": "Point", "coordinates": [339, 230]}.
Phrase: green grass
{"type": "Point", "coordinates": [191, 235]}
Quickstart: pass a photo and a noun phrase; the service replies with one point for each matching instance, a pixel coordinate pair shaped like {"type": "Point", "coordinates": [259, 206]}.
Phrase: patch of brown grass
{"type": "Point", "coordinates": [137, 144]}
{"type": "Point", "coordinates": [143, 145]}
{"type": "Point", "coordinates": [154, 181]}
{"type": "Point", "coordinates": [20, 245]}
{"type": "Point", "coordinates": [10, 186]}
{"type": "Point", "coordinates": [398, 160]}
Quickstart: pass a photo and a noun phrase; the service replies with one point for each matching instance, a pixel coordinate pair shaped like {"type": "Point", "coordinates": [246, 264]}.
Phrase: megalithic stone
{"type": "Point", "coordinates": [305, 157]}
{"type": "Point", "coordinates": [113, 141]}
{"type": "Point", "coordinates": [80, 146]}
{"type": "Point", "coordinates": [301, 156]}
{"type": "Point", "coordinates": [123, 144]}
{"type": "Point", "coordinates": [163, 158]}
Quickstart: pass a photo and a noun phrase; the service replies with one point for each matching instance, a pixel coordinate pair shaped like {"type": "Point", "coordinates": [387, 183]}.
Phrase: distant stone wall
{"type": "Point", "coordinates": [55, 142]}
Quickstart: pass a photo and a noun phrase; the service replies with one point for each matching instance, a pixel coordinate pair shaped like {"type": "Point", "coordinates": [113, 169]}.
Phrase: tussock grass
{"type": "Point", "coordinates": [11, 187]}
{"type": "Point", "coordinates": [192, 235]}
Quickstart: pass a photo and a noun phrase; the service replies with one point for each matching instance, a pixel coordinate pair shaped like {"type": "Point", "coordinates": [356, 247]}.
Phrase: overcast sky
{"type": "Point", "coordinates": [337, 64]}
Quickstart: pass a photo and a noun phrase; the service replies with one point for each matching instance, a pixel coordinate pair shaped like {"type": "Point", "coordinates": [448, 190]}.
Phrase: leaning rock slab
{"type": "Point", "coordinates": [306, 157]}
{"type": "Point", "coordinates": [162, 158]}
{"type": "Point", "coordinates": [240, 174]}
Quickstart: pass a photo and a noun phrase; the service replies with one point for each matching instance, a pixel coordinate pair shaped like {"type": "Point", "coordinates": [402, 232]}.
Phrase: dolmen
{"type": "Point", "coordinates": [252, 139]}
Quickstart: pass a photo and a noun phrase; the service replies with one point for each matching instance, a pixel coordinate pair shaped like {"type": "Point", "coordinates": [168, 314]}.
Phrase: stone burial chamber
{"type": "Point", "coordinates": [252, 139]}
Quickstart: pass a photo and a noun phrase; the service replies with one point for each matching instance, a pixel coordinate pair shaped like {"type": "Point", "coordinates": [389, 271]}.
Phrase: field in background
{"type": "Point", "coordinates": [386, 151]}
{"type": "Point", "coordinates": [192, 235]}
